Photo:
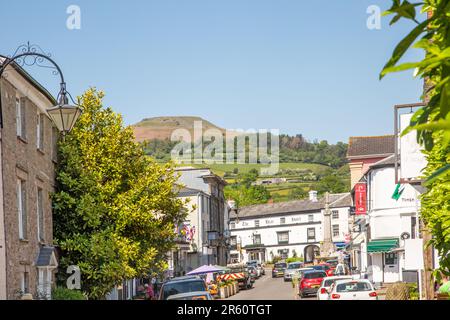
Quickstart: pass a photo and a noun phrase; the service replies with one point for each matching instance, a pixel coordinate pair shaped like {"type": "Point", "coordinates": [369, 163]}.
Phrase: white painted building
{"type": "Point", "coordinates": [391, 222]}
{"type": "Point", "coordinates": [287, 229]}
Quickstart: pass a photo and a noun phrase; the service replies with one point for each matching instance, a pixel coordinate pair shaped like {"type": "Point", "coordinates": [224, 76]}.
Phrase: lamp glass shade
{"type": "Point", "coordinates": [64, 116]}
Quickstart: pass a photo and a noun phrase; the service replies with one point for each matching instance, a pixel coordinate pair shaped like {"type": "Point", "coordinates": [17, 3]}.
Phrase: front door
{"type": "Point", "coordinates": [391, 267]}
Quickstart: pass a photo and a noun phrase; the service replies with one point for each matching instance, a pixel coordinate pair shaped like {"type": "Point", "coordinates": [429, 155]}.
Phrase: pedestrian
{"type": "Point", "coordinates": [149, 291]}
{"type": "Point", "coordinates": [154, 284]}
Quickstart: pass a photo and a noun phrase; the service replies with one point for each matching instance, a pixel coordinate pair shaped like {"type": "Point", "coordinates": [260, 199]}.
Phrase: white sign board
{"type": "Point", "coordinates": [412, 160]}
{"type": "Point", "coordinates": [414, 254]}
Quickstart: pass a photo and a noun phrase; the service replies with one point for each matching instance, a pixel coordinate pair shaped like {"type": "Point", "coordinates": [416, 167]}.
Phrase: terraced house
{"type": "Point", "coordinates": [287, 229]}
{"type": "Point", "coordinates": [27, 177]}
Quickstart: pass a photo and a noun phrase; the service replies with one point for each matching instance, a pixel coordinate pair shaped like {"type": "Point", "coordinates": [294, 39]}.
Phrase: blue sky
{"type": "Point", "coordinates": [299, 66]}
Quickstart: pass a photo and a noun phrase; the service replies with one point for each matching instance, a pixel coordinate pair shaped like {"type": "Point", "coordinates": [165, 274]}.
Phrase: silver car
{"type": "Point", "coordinates": [291, 269]}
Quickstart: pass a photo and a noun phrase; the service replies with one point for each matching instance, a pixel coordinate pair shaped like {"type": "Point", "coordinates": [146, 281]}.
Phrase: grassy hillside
{"type": "Point", "coordinates": [163, 127]}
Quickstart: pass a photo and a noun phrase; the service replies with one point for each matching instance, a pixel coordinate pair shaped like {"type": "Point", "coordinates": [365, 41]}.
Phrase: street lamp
{"type": "Point", "coordinates": [63, 115]}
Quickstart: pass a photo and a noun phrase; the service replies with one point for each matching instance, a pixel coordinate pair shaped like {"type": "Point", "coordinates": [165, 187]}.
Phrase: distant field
{"type": "Point", "coordinates": [220, 169]}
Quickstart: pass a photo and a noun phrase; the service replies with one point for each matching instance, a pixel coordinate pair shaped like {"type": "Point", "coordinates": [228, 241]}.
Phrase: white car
{"type": "Point", "coordinates": [322, 293]}
{"type": "Point", "coordinates": [352, 290]}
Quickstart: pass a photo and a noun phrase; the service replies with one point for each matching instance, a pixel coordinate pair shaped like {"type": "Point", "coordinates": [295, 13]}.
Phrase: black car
{"type": "Point", "coordinates": [278, 269]}
{"type": "Point", "coordinates": [182, 285]}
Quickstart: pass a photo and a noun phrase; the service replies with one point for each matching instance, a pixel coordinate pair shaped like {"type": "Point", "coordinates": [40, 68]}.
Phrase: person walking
{"type": "Point", "coordinates": [149, 291]}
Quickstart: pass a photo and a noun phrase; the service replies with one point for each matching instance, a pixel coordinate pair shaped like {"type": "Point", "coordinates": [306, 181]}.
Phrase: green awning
{"type": "Point", "coordinates": [382, 245]}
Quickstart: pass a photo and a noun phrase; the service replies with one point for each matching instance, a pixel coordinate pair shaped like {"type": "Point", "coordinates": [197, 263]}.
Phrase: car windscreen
{"type": "Point", "coordinates": [329, 282]}
{"type": "Point", "coordinates": [280, 265]}
{"type": "Point", "coordinates": [353, 287]}
{"type": "Point", "coordinates": [294, 266]}
{"type": "Point", "coordinates": [172, 288]}
{"type": "Point", "coordinates": [314, 275]}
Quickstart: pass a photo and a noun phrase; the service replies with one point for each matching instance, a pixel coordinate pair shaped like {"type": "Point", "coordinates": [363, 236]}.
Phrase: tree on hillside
{"type": "Point", "coordinates": [297, 193]}
{"type": "Point", "coordinates": [115, 210]}
{"type": "Point", "coordinates": [331, 183]}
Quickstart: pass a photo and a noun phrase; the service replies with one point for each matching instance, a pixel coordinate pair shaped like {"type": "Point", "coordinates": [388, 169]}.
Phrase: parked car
{"type": "Point", "coordinates": [278, 269]}
{"type": "Point", "coordinates": [263, 268]}
{"type": "Point", "coordinates": [197, 295]}
{"type": "Point", "coordinates": [332, 263]}
{"type": "Point", "coordinates": [326, 268]}
{"type": "Point", "coordinates": [291, 270]}
{"type": "Point", "coordinates": [247, 281]}
{"type": "Point", "coordinates": [352, 290]}
{"type": "Point", "coordinates": [182, 285]}
{"type": "Point", "coordinates": [253, 272]}
{"type": "Point", "coordinates": [300, 272]}
{"type": "Point", "coordinates": [310, 282]}
{"type": "Point", "coordinates": [258, 266]}
{"type": "Point", "coordinates": [325, 286]}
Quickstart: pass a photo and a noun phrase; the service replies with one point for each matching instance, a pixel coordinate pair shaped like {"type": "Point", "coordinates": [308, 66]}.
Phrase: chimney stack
{"type": "Point", "coordinates": [313, 195]}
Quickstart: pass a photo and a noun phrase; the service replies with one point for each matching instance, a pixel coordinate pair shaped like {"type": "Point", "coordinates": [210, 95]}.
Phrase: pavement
{"type": "Point", "coordinates": [268, 288]}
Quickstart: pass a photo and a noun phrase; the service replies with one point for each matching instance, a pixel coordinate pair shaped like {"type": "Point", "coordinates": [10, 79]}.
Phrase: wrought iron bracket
{"type": "Point", "coordinates": [29, 55]}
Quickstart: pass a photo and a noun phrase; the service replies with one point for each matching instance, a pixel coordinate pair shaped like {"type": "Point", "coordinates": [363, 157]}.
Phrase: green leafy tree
{"type": "Point", "coordinates": [246, 196]}
{"type": "Point", "coordinates": [432, 122]}
{"type": "Point", "coordinates": [331, 183]}
{"type": "Point", "coordinates": [115, 210]}
{"type": "Point", "coordinates": [297, 193]}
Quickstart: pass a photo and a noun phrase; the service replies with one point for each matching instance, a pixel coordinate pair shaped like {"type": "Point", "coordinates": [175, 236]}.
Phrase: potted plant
{"type": "Point", "coordinates": [236, 286]}
{"type": "Point", "coordinates": [221, 288]}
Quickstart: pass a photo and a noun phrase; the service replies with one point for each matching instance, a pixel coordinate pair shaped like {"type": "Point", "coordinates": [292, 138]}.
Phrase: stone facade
{"type": "Point", "coordinates": [35, 167]}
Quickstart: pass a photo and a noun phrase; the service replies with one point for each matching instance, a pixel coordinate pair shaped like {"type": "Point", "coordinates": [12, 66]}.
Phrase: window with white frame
{"type": "Point", "coordinates": [311, 234]}
{"type": "Point", "coordinates": [232, 225]}
{"type": "Point", "coordinates": [21, 208]}
{"type": "Point", "coordinates": [257, 223]}
{"type": "Point", "coordinates": [283, 237]}
{"type": "Point", "coordinates": [282, 220]}
{"type": "Point", "coordinates": [40, 131]}
{"type": "Point", "coordinates": [335, 230]}
{"type": "Point", "coordinates": [310, 218]}
{"type": "Point", "coordinates": [256, 239]}
{"type": "Point", "coordinates": [20, 118]}
{"type": "Point", "coordinates": [335, 214]}
{"type": "Point", "coordinates": [40, 214]}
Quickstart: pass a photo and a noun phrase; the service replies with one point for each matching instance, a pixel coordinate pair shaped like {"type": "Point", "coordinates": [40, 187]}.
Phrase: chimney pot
{"type": "Point", "coordinates": [313, 195]}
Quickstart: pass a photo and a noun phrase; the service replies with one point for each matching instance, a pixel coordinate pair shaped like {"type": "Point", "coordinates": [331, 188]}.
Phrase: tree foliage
{"type": "Point", "coordinates": [432, 122]}
{"type": "Point", "coordinates": [115, 210]}
{"type": "Point", "coordinates": [244, 192]}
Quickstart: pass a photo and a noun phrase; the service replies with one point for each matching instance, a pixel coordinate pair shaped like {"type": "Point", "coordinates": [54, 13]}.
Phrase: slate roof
{"type": "Point", "coordinates": [368, 146]}
{"type": "Point", "coordinates": [386, 162]}
{"type": "Point", "coordinates": [188, 192]}
{"type": "Point", "coordinates": [336, 200]}
{"type": "Point", "coordinates": [45, 256]}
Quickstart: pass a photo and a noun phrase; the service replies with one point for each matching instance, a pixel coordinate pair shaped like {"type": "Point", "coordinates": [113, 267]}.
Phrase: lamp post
{"type": "Point", "coordinates": [63, 115]}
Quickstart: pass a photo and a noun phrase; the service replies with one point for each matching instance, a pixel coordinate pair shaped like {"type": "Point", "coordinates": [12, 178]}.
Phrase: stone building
{"type": "Point", "coordinates": [208, 223]}
{"type": "Point", "coordinates": [27, 177]}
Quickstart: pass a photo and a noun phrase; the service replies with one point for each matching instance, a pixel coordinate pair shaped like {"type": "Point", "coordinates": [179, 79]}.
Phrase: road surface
{"type": "Point", "coordinates": [268, 288]}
